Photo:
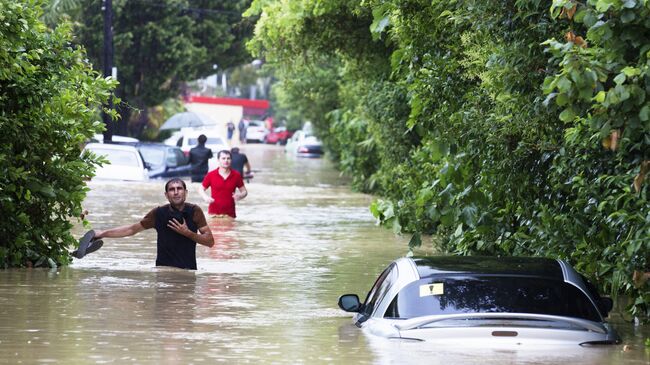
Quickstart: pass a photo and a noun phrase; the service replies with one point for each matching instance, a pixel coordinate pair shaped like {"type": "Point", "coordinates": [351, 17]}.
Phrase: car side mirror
{"type": "Point", "coordinates": [605, 304]}
{"type": "Point", "coordinates": [349, 302]}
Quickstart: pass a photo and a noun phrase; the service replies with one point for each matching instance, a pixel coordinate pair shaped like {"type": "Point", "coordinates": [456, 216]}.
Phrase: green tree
{"type": "Point", "coordinates": [49, 97]}
{"type": "Point", "coordinates": [477, 126]}
{"type": "Point", "coordinates": [160, 45]}
{"type": "Point", "coordinates": [602, 85]}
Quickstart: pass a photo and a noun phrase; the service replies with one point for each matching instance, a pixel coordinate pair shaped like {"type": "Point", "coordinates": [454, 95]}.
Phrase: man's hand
{"type": "Point", "coordinates": [238, 196]}
{"type": "Point", "coordinates": [208, 200]}
{"type": "Point", "coordinates": [179, 228]}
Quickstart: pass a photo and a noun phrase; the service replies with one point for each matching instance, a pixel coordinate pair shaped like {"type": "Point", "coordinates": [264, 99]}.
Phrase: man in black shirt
{"type": "Point", "coordinates": [199, 157]}
{"type": "Point", "coordinates": [180, 227]}
{"type": "Point", "coordinates": [239, 160]}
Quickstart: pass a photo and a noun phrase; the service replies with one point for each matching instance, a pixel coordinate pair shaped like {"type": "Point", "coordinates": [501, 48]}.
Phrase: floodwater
{"type": "Point", "coordinates": [265, 293]}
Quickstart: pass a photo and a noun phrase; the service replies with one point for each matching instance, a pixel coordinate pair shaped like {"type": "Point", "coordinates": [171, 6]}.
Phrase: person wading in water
{"type": "Point", "coordinates": [180, 226]}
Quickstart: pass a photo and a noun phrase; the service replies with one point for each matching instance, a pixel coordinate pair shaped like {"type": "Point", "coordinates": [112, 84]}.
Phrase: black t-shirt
{"type": "Point", "coordinates": [238, 162]}
{"type": "Point", "coordinates": [199, 157]}
{"type": "Point", "coordinates": [175, 249]}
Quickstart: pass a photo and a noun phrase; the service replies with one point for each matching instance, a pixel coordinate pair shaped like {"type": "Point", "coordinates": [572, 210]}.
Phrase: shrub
{"type": "Point", "coordinates": [48, 108]}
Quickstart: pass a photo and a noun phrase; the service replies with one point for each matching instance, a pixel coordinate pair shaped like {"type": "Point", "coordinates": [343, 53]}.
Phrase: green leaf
{"type": "Point", "coordinates": [644, 113]}
{"type": "Point", "coordinates": [627, 16]}
{"type": "Point", "coordinates": [631, 71]}
{"type": "Point", "coordinates": [562, 99]}
{"type": "Point", "coordinates": [619, 79]}
{"type": "Point", "coordinates": [629, 4]}
{"type": "Point", "coordinates": [415, 241]}
{"type": "Point", "coordinates": [567, 115]}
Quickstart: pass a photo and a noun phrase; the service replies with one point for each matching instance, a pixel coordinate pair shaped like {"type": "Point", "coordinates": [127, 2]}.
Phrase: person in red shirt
{"type": "Point", "coordinates": [226, 186]}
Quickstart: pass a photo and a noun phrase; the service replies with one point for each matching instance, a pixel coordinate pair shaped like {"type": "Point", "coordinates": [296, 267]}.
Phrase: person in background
{"type": "Point", "coordinates": [226, 186]}
{"type": "Point", "coordinates": [239, 161]}
{"type": "Point", "coordinates": [242, 131]}
{"type": "Point", "coordinates": [180, 226]}
{"type": "Point", "coordinates": [199, 157]}
{"type": "Point", "coordinates": [230, 126]}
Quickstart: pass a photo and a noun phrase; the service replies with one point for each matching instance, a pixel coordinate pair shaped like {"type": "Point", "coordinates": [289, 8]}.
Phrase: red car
{"type": "Point", "coordinates": [278, 135]}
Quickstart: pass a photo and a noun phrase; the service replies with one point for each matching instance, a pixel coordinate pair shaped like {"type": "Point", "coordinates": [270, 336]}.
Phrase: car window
{"type": "Point", "coordinates": [118, 157]}
{"type": "Point", "coordinates": [180, 157]}
{"type": "Point", "coordinates": [485, 294]}
{"type": "Point", "coordinates": [153, 156]}
{"type": "Point", "coordinates": [379, 290]}
{"type": "Point", "coordinates": [214, 140]}
{"type": "Point", "coordinates": [171, 157]}
{"type": "Point", "coordinates": [180, 142]}
{"type": "Point", "coordinates": [193, 141]}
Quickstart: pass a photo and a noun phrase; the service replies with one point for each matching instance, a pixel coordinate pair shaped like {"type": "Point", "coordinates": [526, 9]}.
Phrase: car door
{"type": "Point", "coordinates": [377, 294]}
{"type": "Point", "coordinates": [178, 163]}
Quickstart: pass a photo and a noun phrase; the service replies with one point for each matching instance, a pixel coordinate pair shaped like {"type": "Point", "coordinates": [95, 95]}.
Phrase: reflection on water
{"type": "Point", "coordinates": [265, 293]}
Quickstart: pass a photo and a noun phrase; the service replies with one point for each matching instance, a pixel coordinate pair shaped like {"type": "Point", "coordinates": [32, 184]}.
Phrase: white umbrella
{"type": "Point", "coordinates": [186, 119]}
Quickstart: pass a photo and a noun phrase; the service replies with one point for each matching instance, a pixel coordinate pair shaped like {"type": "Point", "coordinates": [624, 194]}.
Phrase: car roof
{"type": "Point", "coordinates": [208, 131]}
{"type": "Point", "coordinates": [110, 146]}
{"type": "Point", "coordinates": [99, 137]}
{"type": "Point", "coordinates": [155, 145]}
{"type": "Point", "coordinates": [485, 265]}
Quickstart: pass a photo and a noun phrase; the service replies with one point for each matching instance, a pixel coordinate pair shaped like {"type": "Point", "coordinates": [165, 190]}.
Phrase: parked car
{"type": "Point", "coordinates": [483, 300]}
{"type": "Point", "coordinates": [125, 162]}
{"type": "Point", "coordinates": [304, 144]}
{"type": "Point", "coordinates": [279, 135]}
{"type": "Point", "coordinates": [164, 161]}
{"type": "Point", "coordinates": [188, 138]}
{"type": "Point", "coordinates": [256, 131]}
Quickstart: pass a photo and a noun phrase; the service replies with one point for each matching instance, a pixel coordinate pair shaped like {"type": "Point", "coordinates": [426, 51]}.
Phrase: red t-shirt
{"type": "Point", "coordinates": [221, 191]}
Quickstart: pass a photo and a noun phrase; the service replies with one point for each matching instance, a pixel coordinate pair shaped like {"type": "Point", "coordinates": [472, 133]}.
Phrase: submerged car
{"type": "Point", "coordinates": [188, 138]}
{"type": "Point", "coordinates": [125, 162]}
{"type": "Point", "coordinates": [279, 135]}
{"type": "Point", "coordinates": [483, 301]}
{"type": "Point", "coordinates": [304, 144]}
{"type": "Point", "coordinates": [256, 131]}
{"type": "Point", "coordinates": [164, 161]}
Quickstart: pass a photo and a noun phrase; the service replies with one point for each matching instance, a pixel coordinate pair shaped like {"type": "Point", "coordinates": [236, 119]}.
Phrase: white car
{"type": "Point", "coordinates": [125, 162]}
{"type": "Point", "coordinates": [483, 301]}
{"type": "Point", "coordinates": [256, 131]}
{"type": "Point", "coordinates": [304, 144]}
{"type": "Point", "coordinates": [189, 138]}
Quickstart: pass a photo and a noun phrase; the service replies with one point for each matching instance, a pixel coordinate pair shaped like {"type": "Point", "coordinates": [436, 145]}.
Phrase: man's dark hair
{"type": "Point", "coordinates": [202, 139]}
{"type": "Point", "coordinates": [225, 152]}
{"type": "Point", "coordinates": [234, 150]}
{"type": "Point", "coordinates": [175, 180]}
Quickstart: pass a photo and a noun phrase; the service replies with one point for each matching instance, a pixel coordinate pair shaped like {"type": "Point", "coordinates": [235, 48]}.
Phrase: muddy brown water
{"type": "Point", "coordinates": [265, 293]}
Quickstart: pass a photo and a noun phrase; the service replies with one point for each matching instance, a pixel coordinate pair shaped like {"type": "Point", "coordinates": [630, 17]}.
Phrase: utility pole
{"type": "Point", "coordinates": [107, 8]}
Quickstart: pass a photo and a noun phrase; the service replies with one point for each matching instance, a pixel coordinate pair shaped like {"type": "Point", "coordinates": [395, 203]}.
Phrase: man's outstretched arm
{"type": "Point", "coordinates": [123, 231]}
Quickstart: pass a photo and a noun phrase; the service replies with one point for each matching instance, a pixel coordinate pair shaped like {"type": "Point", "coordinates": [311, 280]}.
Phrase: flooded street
{"type": "Point", "coordinates": [265, 293]}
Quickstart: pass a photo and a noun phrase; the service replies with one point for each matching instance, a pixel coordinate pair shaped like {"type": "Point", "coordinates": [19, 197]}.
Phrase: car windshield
{"type": "Point", "coordinates": [193, 141]}
{"type": "Point", "coordinates": [118, 157]}
{"type": "Point", "coordinates": [491, 294]}
{"type": "Point", "coordinates": [153, 156]}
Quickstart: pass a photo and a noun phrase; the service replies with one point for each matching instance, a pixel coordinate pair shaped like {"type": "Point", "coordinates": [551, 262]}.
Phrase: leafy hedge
{"type": "Point", "coordinates": [49, 97]}
{"type": "Point", "coordinates": [494, 127]}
